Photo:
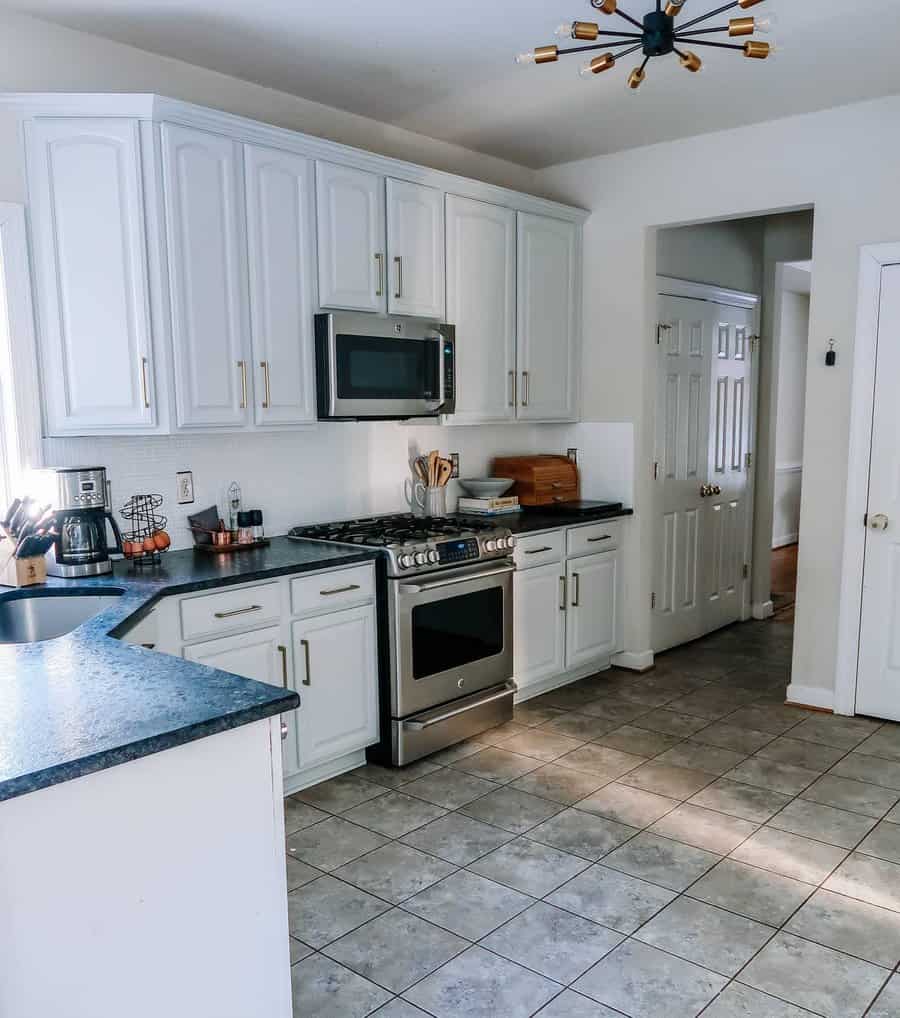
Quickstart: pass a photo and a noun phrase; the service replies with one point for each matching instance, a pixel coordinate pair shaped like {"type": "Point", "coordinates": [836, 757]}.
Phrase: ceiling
{"type": "Point", "coordinates": [446, 69]}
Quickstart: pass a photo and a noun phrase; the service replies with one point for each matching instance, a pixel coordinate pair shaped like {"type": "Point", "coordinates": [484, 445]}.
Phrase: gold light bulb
{"type": "Point", "coordinates": [674, 7]}
{"type": "Point", "coordinates": [588, 30]}
{"type": "Point", "coordinates": [636, 78]}
{"type": "Point", "coordinates": [757, 50]}
{"type": "Point", "coordinates": [691, 62]}
{"type": "Point", "coordinates": [598, 65]}
{"type": "Point", "coordinates": [546, 54]}
{"type": "Point", "coordinates": [607, 6]}
{"type": "Point", "coordinates": [741, 26]}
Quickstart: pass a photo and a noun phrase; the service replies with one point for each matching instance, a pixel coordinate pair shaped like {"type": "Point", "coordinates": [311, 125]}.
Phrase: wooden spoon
{"type": "Point", "coordinates": [432, 468]}
{"type": "Point", "coordinates": [445, 469]}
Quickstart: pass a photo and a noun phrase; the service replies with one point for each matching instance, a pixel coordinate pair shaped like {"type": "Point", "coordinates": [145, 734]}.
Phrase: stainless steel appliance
{"type": "Point", "coordinates": [82, 515]}
{"type": "Point", "coordinates": [383, 368]}
{"type": "Point", "coordinates": [447, 626]}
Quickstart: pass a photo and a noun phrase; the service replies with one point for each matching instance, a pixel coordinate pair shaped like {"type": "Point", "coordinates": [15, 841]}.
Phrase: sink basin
{"type": "Point", "coordinates": [42, 617]}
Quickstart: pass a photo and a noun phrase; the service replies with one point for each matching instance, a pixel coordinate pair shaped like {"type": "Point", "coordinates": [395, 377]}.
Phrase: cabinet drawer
{"type": "Point", "coordinates": [589, 540]}
{"type": "Point", "coordinates": [331, 591]}
{"type": "Point", "coordinates": [539, 549]}
{"type": "Point", "coordinates": [230, 610]}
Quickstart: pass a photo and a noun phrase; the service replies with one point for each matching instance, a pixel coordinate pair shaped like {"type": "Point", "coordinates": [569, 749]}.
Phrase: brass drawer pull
{"type": "Point", "coordinates": [575, 590]}
{"type": "Point", "coordinates": [538, 551]}
{"type": "Point", "coordinates": [512, 388]}
{"type": "Point", "coordinates": [398, 261]}
{"type": "Point", "coordinates": [242, 367]}
{"type": "Point", "coordinates": [145, 392]}
{"type": "Point", "coordinates": [562, 593]}
{"type": "Point", "coordinates": [284, 665]}
{"type": "Point", "coordinates": [340, 590]}
{"type": "Point", "coordinates": [379, 260]}
{"type": "Point", "coordinates": [308, 680]}
{"type": "Point", "coordinates": [239, 611]}
{"type": "Point", "coordinates": [595, 540]}
{"type": "Point", "coordinates": [524, 388]}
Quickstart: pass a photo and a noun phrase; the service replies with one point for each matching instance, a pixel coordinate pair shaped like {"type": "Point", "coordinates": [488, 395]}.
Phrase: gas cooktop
{"type": "Point", "coordinates": [416, 544]}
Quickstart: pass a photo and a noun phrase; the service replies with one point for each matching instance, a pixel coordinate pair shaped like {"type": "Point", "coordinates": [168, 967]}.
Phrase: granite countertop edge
{"type": "Point", "coordinates": [86, 701]}
{"type": "Point", "coordinates": [536, 520]}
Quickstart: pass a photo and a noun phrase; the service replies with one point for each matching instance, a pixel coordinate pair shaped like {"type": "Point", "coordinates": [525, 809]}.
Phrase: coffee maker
{"type": "Point", "coordinates": [82, 514]}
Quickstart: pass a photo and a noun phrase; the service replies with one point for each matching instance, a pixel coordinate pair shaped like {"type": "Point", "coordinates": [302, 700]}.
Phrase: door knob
{"type": "Point", "coordinates": [705, 489]}
{"type": "Point", "coordinates": [716, 490]}
{"type": "Point", "coordinates": [879, 521]}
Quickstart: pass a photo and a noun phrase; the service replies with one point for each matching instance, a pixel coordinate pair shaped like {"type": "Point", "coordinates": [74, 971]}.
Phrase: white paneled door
{"type": "Point", "coordinates": [878, 677]}
{"type": "Point", "coordinates": [702, 468]}
{"type": "Point", "coordinates": [415, 243]}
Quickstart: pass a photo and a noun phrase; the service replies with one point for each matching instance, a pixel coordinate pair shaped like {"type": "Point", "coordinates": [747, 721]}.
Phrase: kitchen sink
{"type": "Point", "coordinates": [33, 617]}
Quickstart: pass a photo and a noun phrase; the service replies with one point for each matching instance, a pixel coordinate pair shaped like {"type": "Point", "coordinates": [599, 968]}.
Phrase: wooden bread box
{"type": "Point", "coordinates": [540, 480]}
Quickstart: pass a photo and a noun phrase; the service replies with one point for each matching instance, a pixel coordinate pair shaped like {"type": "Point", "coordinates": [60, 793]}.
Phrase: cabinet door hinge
{"type": "Point", "coordinates": [866, 520]}
{"type": "Point", "coordinates": [746, 571]}
{"type": "Point", "coordinates": [653, 602]}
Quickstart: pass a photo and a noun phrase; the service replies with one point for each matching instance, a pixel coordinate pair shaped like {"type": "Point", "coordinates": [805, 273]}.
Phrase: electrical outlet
{"type": "Point", "coordinates": [454, 459]}
{"type": "Point", "coordinates": [573, 455]}
{"type": "Point", "coordinates": [184, 486]}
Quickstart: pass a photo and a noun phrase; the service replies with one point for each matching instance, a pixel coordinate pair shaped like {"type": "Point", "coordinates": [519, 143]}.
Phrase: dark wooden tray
{"type": "Point", "coordinates": [221, 549]}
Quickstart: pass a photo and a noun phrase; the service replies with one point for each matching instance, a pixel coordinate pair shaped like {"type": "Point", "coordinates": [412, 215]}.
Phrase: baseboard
{"type": "Point", "coordinates": [634, 660]}
{"type": "Point", "coordinates": [312, 776]}
{"type": "Point", "coordinates": [762, 610]}
{"type": "Point", "coordinates": [558, 681]}
{"type": "Point", "coordinates": [785, 540]}
{"type": "Point", "coordinates": [810, 696]}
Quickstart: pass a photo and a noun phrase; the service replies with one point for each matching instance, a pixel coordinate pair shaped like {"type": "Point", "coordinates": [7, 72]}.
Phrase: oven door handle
{"type": "Point", "coordinates": [502, 692]}
{"type": "Point", "coordinates": [420, 588]}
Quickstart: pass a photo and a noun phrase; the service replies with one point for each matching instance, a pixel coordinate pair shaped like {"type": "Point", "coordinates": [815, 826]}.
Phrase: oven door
{"type": "Point", "coordinates": [378, 375]}
{"type": "Point", "coordinates": [452, 635]}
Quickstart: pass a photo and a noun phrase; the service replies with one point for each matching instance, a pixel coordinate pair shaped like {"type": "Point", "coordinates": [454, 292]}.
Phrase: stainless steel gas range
{"type": "Point", "coordinates": [446, 626]}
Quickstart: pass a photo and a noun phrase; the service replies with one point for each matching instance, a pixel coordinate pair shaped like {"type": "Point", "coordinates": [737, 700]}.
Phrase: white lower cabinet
{"type": "Point", "coordinates": [593, 616]}
{"type": "Point", "coordinates": [334, 659]}
{"type": "Point", "coordinates": [540, 624]}
{"type": "Point", "coordinates": [567, 607]}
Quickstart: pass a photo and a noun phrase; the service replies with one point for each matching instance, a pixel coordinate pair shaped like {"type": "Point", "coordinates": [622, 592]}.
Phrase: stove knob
{"type": "Point", "coordinates": [510, 542]}
{"type": "Point", "coordinates": [490, 545]}
{"type": "Point", "coordinates": [421, 558]}
{"type": "Point", "coordinates": [405, 561]}
{"type": "Point", "coordinates": [433, 557]}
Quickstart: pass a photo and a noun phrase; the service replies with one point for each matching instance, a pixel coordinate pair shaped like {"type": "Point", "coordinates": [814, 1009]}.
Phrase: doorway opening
{"type": "Point", "coordinates": [733, 313]}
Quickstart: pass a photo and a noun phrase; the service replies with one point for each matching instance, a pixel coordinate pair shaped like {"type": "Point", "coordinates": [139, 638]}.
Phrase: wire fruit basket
{"type": "Point", "coordinates": [147, 539]}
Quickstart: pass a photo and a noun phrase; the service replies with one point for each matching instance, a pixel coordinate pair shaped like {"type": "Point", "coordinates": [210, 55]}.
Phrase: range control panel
{"type": "Point", "coordinates": [452, 552]}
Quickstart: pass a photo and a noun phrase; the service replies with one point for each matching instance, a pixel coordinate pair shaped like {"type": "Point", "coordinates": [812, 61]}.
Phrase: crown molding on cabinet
{"type": "Point", "coordinates": [147, 106]}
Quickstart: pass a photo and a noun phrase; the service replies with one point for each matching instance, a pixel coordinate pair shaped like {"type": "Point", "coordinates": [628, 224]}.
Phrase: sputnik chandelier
{"type": "Point", "coordinates": [660, 34]}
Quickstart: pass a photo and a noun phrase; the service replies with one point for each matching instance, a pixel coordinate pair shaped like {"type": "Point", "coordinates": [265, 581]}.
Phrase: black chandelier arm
{"type": "Point", "coordinates": [628, 17]}
{"type": "Point", "coordinates": [710, 14]}
{"type": "Point", "coordinates": [603, 46]}
{"type": "Point", "coordinates": [633, 49]}
{"type": "Point", "coordinates": [703, 31]}
{"type": "Point", "coordinates": [707, 42]}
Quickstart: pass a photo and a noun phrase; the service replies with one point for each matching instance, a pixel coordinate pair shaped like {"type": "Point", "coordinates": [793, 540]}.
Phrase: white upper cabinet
{"type": "Point", "coordinates": [548, 293]}
{"type": "Point", "coordinates": [86, 206]}
{"type": "Point", "coordinates": [415, 245]}
{"type": "Point", "coordinates": [204, 197]}
{"type": "Point", "coordinates": [351, 233]}
{"type": "Point", "coordinates": [280, 216]}
{"type": "Point", "coordinates": [481, 303]}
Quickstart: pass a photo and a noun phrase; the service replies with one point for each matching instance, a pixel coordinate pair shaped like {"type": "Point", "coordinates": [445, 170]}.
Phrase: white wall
{"type": "Point", "coordinates": [728, 254]}
{"type": "Point", "coordinates": [843, 162]}
{"type": "Point", "coordinates": [40, 57]}
{"type": "Point", "coordinates": [332, 471]}
{"type": "Point", "coordinates": [793, 334]}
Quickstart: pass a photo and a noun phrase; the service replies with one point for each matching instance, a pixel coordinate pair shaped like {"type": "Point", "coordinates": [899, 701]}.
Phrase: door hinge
{"type": "Point", "coordinates": [656, 471]}
{"type": "Point", "coordinates": [746, 571]}
{"type": "Point", "coordinates": [653, 602]}
{"type": "Point", "coordinates": [866, 520]}
{"type": "Point", "coordinates": [754, 342]}
{"type": "Point", "coordinates": [748, 460]}
{"type": "Point", "coordinates": [661, 327]}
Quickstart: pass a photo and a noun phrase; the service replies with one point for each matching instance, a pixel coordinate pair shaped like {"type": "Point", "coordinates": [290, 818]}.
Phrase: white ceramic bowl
{"type": "Point", "coordinates": [486, 487]}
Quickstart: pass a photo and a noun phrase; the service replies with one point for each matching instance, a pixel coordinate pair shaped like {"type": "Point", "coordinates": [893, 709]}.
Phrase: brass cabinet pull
{"type": "Point", "coordinates": [398, 261]}
{"type": "Point", "coordinates": [239, 611]}
{"type": "Point", "coordinates": [284, 667]}
{"type": "Point", "coordinates": [379, 261]}
{"type": "Point", "coordinates": [145, 392]}
{"type": "Point", "coordinates": [595, 540]}
{"type": "Point", "coordinates": [538, 551]}
{"type": "Point", "coordinates": [339, 590]}
{"type": "Point", "coordinates": [524, 388]}
{"type": "Point", "coordinates": [562, 593]}
{"type": "Point", "coordinates": [308, 680]}
{"type": "Point", "coordinates": [242, 367]}
{"type": "Point", "coordinates": [575, 590]}
{"type": "Point", "coordinates": [512, 388]}
{"type": "Point", "coordinates": [267, 401]}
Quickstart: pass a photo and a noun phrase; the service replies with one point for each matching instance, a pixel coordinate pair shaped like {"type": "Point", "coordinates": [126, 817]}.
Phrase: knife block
{"type": "Point", "coordinates": [24, 572]}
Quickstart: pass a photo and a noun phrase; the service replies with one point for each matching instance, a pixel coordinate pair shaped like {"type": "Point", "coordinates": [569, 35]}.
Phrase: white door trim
{"type": "Point", "coordinates": [21, 422]}
{"type": "Point", "coordinates": [873, 258]}
{"type": "Point", "coordinates": [670, 286]}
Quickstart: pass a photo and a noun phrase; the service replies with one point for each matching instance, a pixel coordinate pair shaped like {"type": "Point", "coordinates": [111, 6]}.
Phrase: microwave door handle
{"type": "Point", "coordinates": [442, 365]}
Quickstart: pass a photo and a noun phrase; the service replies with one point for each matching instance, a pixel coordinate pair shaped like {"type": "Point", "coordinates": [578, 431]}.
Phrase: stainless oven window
{"type": "Point", "coordinates": [457, 631]}
{"type": "Point", "coordinates": [377, 368]}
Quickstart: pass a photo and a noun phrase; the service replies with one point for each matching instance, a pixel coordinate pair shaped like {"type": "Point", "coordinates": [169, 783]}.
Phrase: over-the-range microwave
{"type": "Point", "coordinates": [371, 367]}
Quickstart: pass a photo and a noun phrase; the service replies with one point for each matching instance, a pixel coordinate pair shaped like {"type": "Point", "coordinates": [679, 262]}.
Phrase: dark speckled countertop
{"type": "Point", "coordinates": [87, 701]}
{"type": "Point", "coordinates": [534, 520]}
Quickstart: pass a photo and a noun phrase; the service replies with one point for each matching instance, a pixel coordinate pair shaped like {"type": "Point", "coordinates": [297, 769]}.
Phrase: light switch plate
{"type": "Point", "coordinates": [454, 459]}
{"type": "Point", "coordinates": [184, 486]}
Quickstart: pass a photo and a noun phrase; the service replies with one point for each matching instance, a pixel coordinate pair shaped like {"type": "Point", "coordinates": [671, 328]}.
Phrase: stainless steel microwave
{"type": "Point", "coordinates": [370, 367]}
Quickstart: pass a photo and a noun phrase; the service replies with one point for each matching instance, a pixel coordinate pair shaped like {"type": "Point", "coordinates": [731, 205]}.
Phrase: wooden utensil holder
{"type": "Point", "coordinates": [24, 572]}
